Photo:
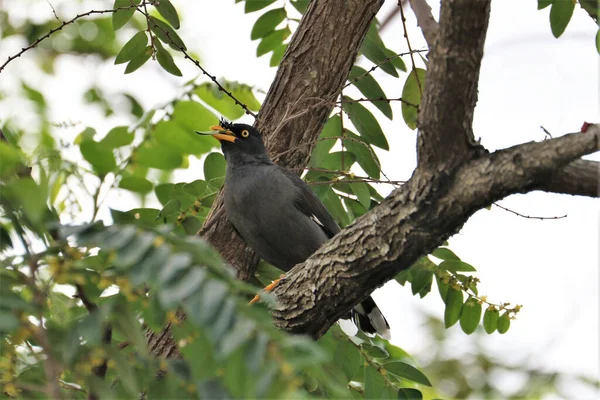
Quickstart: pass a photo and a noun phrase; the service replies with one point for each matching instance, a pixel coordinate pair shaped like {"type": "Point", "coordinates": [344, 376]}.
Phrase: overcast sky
{"type": "Point", "coordinates": [528, 79]}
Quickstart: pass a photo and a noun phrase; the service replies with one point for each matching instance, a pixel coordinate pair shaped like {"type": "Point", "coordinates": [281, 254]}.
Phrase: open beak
{"type": "Point", "coordinates": [219, 133]}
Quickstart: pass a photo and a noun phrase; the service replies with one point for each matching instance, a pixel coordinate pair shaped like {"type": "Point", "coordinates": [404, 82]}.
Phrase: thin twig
{"type": "Point", "coordinates": [548, 134]}
{"type": "Point", "coordinates": [373, 68]}
{"type": "Point", "coordinates": [53, 11]}
{"type": "Point", "coordinates": [408, 103]}
{"type": "Point", "coordinates": [197, 63]}
{"type": "Point", "coordinates": [528, 216]}
{"type": "Point", "coordinates": [412, 57]}
{"type": "Point", "coordinates": [58, 28]}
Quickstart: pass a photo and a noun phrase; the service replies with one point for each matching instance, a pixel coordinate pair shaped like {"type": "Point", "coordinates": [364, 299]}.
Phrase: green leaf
{"type": "Point", "coordinates": [490, 319]}
{"type": "Point", "coordinates": [99, 155]}
{"type": "Point", "coordinates": [191, 116]}
{"type": "Point", "coordinates": [183, 287]}
{"type": "Point", "coordinates": [135, 47]}
{"type": "Point", "coordinates": [365, 156]}
{"type": "Point", "coordinates": [504, 323]}
{"type": "Point", "coordinates": [411, 93]}
{"type": "Point", "coordinates": [334, 205]}
{"type": "Point", "coordinates": [347, 357]}
{"type": "Point", "coordinates": [267, 23]}
{"type": "Point", "coordinates": [373, 48]}
{"type": "Point", "coordinates": [470, 316]}
{"type": "Point", "coordinates": [369, 87]}
{"type": "Point", "coordinates": [136, 184]}
{"type": "Point", "coordinates": [255, 5]}
{"type": "Point", "coordinates": [361, 190]}
{"type": "Point", "coordinates": [172, 207]}
{"type": "Point", "coordinates": [300, 5]}
{"type": "Point", "coordinates": [332, 128]}
{"type": "Point", "coordinates": [454, 303]}
{"type": "Point", "coordinates": [455, 265]}
{"type": "Point", "coordinates": [10, 157]}
{"type": "Point", "coordinates": [5, 240]}
{"type": "Point", "coordinates": [365, 123]}
{"type": "Point", "coordinates": [272, 40]}
{"type": "Point", "coordinates": [374, 351]}
{"type": "Point", "coordinates": [277, 55]}
{"type": "Point", "coordinates": [560, 15]}
{"type": "Point", "coordinates": [138, 61]}
{"type": "Point", "coordinates": [374, 383]}
{"type": "Point", "coordinates": [166, 34]}
{"type": "Point", "coordinates": [445, 254]}
{"type": "Point", "coordinates": [191, 225]}
{"type": "Point", "coordinates": [118, 137]}
{"type": "Point", "coordinates": [246, 96]}
{"type": "Point", "coordinates": [135, 250]}
{"type": "Point", "coordinates": [8, 321]}
{"type": "Point", "coordinates": [338, 161]}
{"type": "Point", "coordinates": [395, 60]}
{"type": "Point", "coordinates": [166, 9]}
{"type": "Point", "coordinates": [421, 282]}
{"type": "Point", "coordinates": [196, 188]}
{"type": "Point", "coordinates": [120, 17]}
{"type": "Point", "coordinates": [172, 136]}
{"type": "Point", "coordinates": [598, 41]}
{"type": "Point", "coordinates": [211, 95]}
{"type": "Point", "coordinates": [163, 192]}
{"type": "Point", "coordinates": [409, 394]}
{"type": "Point", "coordinates": [442, 288]}
{"type": "Point", "coordinates": [407, 371]}
{"type": "Point", "coordinates": [154, 155]}
{"type": "Point", "coordinates": [544, 3]}
{"type": "Point", "coordinates": [214, 169]}
{"type": "Point", "coordinates": [165, 59]}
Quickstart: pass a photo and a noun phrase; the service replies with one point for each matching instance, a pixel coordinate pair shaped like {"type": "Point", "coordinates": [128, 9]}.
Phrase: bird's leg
{"type": "Point", "coordinates": [267, 289]}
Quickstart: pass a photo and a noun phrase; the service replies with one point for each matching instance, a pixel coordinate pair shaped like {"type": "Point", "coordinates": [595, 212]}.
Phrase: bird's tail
{"type": "Point", "coordinates": [369, 319]}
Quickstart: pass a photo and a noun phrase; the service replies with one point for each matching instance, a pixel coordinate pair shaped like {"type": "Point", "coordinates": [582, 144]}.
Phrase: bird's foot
{"type": "Point", "coordinates": [267, 289]}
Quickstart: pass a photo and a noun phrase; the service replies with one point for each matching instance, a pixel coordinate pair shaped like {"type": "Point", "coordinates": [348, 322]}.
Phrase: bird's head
{"type": "Point", "coordinates": [237, 138]}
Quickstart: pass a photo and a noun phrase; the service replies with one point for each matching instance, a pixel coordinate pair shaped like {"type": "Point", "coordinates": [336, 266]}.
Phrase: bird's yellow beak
{"type": "Point", "coordinates": [219, 133]}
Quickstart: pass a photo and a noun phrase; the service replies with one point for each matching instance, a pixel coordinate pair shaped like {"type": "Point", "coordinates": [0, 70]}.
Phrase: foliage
{"type": "Point", "coordinates": [78, 295]}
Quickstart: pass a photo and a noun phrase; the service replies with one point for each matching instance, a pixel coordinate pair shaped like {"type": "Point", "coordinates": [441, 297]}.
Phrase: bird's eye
{"type": "Point", "coordinates": [245, 133]}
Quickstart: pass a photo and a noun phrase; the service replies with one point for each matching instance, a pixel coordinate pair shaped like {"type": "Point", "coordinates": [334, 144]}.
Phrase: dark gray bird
{"type": "Point", "coordinates": [276, 213]}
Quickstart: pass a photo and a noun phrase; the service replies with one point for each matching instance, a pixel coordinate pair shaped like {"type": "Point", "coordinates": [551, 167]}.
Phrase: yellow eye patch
{"type": "Point", "coordinates": [245, 133]}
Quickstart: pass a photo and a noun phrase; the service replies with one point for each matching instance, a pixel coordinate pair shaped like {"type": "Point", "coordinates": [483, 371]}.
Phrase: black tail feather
{"type": "Point", "coordinates": [369, 319]}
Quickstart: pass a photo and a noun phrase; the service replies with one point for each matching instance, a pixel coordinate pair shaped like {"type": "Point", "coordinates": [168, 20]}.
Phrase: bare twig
{"type": "Point", "coordinates": [412, 57]}
{"type": "Point", "coordinates": [548, 134]}
{"type": "Point", "coordinates": [197, 64]}
{"type": "Point", "coordinates": [58, 28]}
{"type": "Point", "coordinates": [408, 103]}
{"type": "Point", "coordinates": [350, 82]}
{"type": "Point", "coordinates": [425, 20]}
{"type": "Point", "coordinates": [528, 216]}
{"type": "Point", "coordinates": [53, 11]}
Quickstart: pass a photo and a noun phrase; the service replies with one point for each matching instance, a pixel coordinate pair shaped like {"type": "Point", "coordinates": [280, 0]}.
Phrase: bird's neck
{"type": "Point", "coordinates": [239, 159]}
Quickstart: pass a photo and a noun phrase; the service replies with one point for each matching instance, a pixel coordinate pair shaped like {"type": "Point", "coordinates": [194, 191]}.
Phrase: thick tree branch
{"type": "Point", "coordinates": [310, 76]}
{"type": "Point", "coordinates": [414, 220]}
{"type": "Point", "coordinates": [450, 93]}
{"type": "Point", "coordinates": [425, 20]}
{"type": "Point", "coordinates": [579, 178]}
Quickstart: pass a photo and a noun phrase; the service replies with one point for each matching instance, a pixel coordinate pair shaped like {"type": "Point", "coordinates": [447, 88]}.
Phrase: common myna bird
{"type": "Point", "coordinates": [276, 213]}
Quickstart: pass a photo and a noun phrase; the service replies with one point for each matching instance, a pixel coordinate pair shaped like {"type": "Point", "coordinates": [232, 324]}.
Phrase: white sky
{"type": "Point", "coordinates": [528, 79]}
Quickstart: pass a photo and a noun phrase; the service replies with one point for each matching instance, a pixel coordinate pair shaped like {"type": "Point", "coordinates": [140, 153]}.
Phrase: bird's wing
{"type": "Point", "coordinates": [308, 202]}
